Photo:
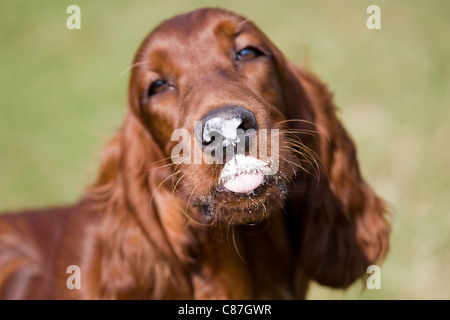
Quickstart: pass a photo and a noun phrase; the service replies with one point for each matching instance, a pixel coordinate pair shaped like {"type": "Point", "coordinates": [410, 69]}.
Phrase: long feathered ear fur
{"type": "Point", "coordinates": [140, 244]}
{"type": "Point", "coordinates": [342, 223]}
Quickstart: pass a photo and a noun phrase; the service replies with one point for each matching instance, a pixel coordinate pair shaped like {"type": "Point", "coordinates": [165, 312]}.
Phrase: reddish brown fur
{"type": "Point", "coordinates": [139, 232]}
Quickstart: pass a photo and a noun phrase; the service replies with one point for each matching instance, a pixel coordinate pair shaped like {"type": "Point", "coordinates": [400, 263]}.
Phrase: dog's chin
{"type": "Point", "coordinates": [228, 207]}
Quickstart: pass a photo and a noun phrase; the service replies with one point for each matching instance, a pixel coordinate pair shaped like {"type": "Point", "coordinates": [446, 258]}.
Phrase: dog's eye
{"type": "Point", "coordinates": [248, 53]}
{"type": "Point", "coordinates": [157, 87]}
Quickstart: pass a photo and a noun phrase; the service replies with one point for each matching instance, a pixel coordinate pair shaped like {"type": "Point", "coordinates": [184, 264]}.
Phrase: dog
{"type": "Point", "coordinates": [231, 178]}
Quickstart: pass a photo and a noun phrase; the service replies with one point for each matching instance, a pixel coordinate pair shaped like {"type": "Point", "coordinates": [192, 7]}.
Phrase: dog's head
{"type": "Point", "coordinates": [212, 91]}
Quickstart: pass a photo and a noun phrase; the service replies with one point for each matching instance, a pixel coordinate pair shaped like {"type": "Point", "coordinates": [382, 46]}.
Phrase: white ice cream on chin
{"type": "Point", "coordinates": [243, 174]}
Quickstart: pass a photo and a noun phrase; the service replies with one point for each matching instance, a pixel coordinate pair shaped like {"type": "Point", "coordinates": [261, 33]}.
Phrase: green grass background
{"type": "Point", "coordinates": [63, 93]}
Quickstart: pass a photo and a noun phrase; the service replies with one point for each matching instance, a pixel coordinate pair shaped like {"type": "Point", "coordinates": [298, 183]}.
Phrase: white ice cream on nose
{"type": "Point", "coordinates": [227, 128]}
{"type": "Point", "coordinates": [243, 174]}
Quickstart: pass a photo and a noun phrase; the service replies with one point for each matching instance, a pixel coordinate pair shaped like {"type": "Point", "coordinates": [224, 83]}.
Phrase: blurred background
{"type": "Point", "coordinates": [63, 93]}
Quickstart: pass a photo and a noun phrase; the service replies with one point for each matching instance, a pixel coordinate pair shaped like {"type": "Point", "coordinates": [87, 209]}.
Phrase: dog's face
{"type": "Point", "coordinates": [208, 88]}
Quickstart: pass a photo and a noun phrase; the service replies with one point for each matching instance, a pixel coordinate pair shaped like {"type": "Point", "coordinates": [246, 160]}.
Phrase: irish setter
{"type": "Point", "coordinates": [168, 219]}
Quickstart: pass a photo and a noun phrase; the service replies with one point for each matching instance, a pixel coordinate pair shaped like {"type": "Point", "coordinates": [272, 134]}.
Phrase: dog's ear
{"type": "Point", "coordinates": [141, 230]}
{"type": "Point", "coordinates": [340, 221]}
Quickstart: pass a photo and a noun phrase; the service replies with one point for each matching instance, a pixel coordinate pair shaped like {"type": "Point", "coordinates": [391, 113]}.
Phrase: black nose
{"type": "Point", "coordinates": [223, 123]}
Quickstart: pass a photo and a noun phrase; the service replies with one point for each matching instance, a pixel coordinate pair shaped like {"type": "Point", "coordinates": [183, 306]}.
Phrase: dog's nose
{"type": "Point", "coordinates": [223, 124]}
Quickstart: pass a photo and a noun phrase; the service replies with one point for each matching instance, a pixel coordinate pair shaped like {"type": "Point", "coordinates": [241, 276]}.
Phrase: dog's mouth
{"type": "Point", "coordinates": [243, 174]}
{"type": "Point", "coordinates": [247, 189]}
